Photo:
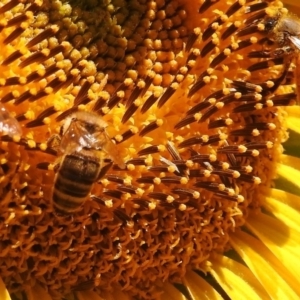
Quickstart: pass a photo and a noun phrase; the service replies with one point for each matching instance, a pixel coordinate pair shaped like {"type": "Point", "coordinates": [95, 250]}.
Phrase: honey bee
{"type": "Point", "coordinates": [83, 147]}
{"type": "Point", "coordinates": [284, 30]}
{"type": "Point", "coordinates": [8, 124]}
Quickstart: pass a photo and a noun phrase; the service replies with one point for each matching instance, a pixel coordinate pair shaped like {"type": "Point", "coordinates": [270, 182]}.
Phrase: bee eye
{"type": "Point", "coordinates": [90, 127]}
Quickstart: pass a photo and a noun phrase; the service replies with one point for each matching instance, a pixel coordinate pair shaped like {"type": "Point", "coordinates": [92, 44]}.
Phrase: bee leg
{"type": "Point", "coordinates": [56, 167]}
{"type": "Point", "coordinates": [43, 166]}
{"type": "Point", "coordinates": [54, 142]}
{"type": "Point", "coordinates": [297, 78]}
{"type": "Point", "coordinates": [282, 52]}
{"type": "Point", "coordinates": [104, 170]}
{"type": "Point", "coordinates": [48, 166]}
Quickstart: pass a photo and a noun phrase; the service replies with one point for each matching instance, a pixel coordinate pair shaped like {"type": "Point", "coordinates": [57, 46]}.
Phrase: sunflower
{"type": "Point", "coordinates": [198, 97]}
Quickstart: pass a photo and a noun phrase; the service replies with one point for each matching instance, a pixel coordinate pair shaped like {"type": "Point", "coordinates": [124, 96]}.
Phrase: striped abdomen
{"type": "Point", "coordinates": [74, 180]}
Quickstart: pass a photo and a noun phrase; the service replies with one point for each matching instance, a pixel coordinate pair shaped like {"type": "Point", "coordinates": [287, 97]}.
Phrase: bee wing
{"type": "Point", "coordinates": [72, 140]}
{"type": "Point", "coordinates": [296, 41]}
{"type": "Point", "coordinates": [8, 124]}
{"type": "Point", "coordinates": [112, 150]}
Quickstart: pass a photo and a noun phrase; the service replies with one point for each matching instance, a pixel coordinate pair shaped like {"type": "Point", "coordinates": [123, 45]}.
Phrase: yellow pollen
{"type": "Point", "coordinates": [130, 167]}
{"type": "Point", "coordinates": [108, 203]}
{"type": "Point", "coordinates": [152, 206]}
{"type": "Point", "coordinates": [240, 199]}
{"type": "Point", "coordinates": [253, 39]}
{"type": "Point", "coordinates": [161, 148]}
{"type": "Point", "coordinates": [139, 192]}
{"type": "Point", "coordinates": [43, 146]}
{"type": "Point", "coordinates": [242, 148]}
{"type": "Point", "coordinates": [219, 105]}
{"type": "Point", "coordinates": [105, 110]}
{"type": "Point", "coordinates": [172, 169]}
{"type": "Point", "coordinates": [197, 116]}
{"type": "Point", "coordinates": [51, 167]}
{"type": "Point", "coordinates": [196, 195]}
{"type": "Point", "coordinates": [227, 51]}
{"type": "Point", "coordinates": [258, 97]}
{"type": "Point", "coordinates": [118, 138]}
{"type": "Point", "coordinates": [221, 187]}
{"type": "Point", "coordinates": [207, 173]}
{"type": "Point", "coordinates": [184, 180]}
{"type": "Point", "coordinates": [270, 83]}
{"type": "Point", "coordinates": [236, 174]}
{"type": "Point", "coordinates": [255, 132]}
{"type": "Point", "coordinates": [231, 192]}
{"type": "Point", "coordinates": [206, 79]}
{"type": "Point", "coordinates": [261, 27]}
{"type": "Point", "coordinates": [212, 100]}
{"type": "Point", "coordinates": [16, 138]}
{"type": "Point", "coordinates": [31, 143]}
{"type": "Point", "coordinates": [258, 106]}
{"type": "Point", "coordinates": [3, 161]}
{"type": "Point", "coordinates": [127, 181]}
{"type": "Point", "coordinates": [212, 157]}
{"type": "Point", "coordinates": [189, 163]}
{"type": "Point", "coordinates": [225, 166]}
{"type": "Point", "coordinates": [27, 167]}
{"type": "Point", "coordinates": [257, 180]}
{"type": "Point", "coordinates": [157, 181]}
{"type": "Point", "coordinates": [170, 199]}
{"type": "Point", "coordinates": [182, 207]}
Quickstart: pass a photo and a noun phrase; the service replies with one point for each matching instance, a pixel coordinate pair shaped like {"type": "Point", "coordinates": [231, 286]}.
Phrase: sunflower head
{"type": "Point", "coordinates": [191, 94]}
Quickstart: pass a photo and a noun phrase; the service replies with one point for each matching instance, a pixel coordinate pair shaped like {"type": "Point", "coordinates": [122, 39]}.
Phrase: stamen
{"type": "Point", "coordinates": [206, 5]}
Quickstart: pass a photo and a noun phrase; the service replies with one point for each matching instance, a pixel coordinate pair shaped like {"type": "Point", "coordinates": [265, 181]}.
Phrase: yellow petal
{"type": "Point", "coordinates": [286, 198]}
{"type": "Point", "coordinates": [3, 291]}
{"type": "Point", "coordinates": [282, 241]}
{"type": "Point", "coordinates": [293, 123]}
{"type": "Point", "coordinates": [290, 161]}
{"type": "Point", "coordinates": [199, 288]}
{"type": "Point", "coordinates": [283, 211]}
{"type": "Point", "coordinates": [290, 173]}
{"type": "Point", "coordinates": [293, 111]}
{"type": "Point", "coordinates": [293, 118]}
{"type": "Point", "coordinates": [237, 280]}
{"type": "Point", "coordinates": [264, 265]}
{"type": "Point", "coordinates": [171, 293]}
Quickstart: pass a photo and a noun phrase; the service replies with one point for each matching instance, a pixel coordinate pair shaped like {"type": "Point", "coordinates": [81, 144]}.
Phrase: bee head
{"type": "Point", "coordinates": [88, 122]}
{"type": "Point", "coordinates": [286, 29]}
{"type": "Point", "coordinates": [270, 23]}
{"type": "Point", "coordinates": [92, 128]}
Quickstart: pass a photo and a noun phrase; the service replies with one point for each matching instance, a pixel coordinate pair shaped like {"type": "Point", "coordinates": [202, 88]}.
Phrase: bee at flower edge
{"type": "Point", "coordinates": [283, 29]}
{"type": "Point", "coordinates": [86, 153]}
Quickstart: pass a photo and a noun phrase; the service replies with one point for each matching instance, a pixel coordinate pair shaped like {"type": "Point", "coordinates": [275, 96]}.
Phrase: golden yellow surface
{"type": "Point", "coordinates": [195, 118]}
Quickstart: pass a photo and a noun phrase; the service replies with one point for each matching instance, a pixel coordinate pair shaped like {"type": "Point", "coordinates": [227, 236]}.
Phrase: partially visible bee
{"type": "Point", "coordinates": [83, 147]}
{"type": "Point", "coordinates": [284, 30]}
{"type": "Point", "coordinates": [8, 124]}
